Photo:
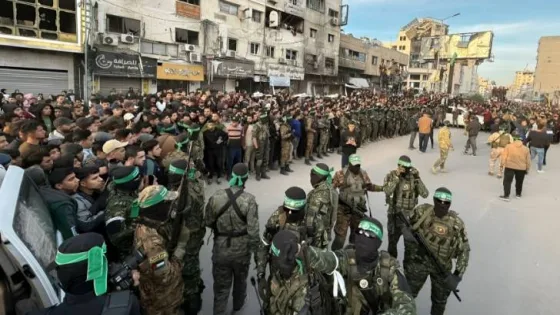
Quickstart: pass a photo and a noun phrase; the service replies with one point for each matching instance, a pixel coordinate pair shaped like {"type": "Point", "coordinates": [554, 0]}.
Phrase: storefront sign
{"type": "Point", "coordinates": [295, 7]}
{"type": "Point", "coordinates": [123, 65]}
{"type": "Point", "coordinates": [294, 73]}
{"type": "Point", "coordinates": [179, 72]}
{"type": "Point", "coordinates": [232, 69]}
{"type": "Point", "coordinates": [279, 81]}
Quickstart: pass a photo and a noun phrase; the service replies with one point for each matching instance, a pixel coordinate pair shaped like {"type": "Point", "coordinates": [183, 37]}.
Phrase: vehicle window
{"type": "Point", "coordinates": [33, 224]}
{"type": "Point", "coordinates": [449, 110]}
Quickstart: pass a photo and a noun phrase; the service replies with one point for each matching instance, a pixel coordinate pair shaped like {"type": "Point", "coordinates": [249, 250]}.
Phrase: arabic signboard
{"type": "Point", "coordinates": [123, 65]}
{"type": "Point", "coordinates": [295, 7]}
{"type": "Point", "coordinates": [279, 81]}
{"type": "Point", "coordinates": [180, 72]}
{"type": "Point", "coordinates": [294, 73]}
{"type": "Point", "coordinates": [232, 69]}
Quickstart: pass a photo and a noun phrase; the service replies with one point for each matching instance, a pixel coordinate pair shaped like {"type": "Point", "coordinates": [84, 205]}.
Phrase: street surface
{"type": "Point", "coordinates": [514, 254]}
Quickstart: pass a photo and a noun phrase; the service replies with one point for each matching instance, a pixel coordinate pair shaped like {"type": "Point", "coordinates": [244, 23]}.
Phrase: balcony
{"type": "Point", "coordinates": [187, 10]}
{"type": "Point", "coordinates": [351, 63]}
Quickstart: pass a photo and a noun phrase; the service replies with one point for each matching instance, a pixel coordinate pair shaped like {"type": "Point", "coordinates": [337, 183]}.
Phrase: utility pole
{"type": "Point", "coordinates": [88, 25]}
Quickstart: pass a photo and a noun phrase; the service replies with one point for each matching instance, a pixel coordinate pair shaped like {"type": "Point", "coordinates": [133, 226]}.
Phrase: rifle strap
{"type": "Point", "coordinates": [232, 200]}
{"type": "Point", "coordinates": [422, 219]}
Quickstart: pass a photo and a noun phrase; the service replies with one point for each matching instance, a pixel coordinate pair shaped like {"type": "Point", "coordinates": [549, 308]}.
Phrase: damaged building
{"type": "Point", "coordinates": [42, 45]}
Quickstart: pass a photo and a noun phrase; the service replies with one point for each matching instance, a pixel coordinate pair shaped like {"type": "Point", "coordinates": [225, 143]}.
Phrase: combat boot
{"type": "Point", "coordinates": [257, 173]}
{"type": "Point", "coordinates": [319, 156]}
{"type": "Point", "coordinates": [307, 162]}
{"type": "Point", "coordinates": [434, 170]}
{"type": "Point", "coordinates": [289, 169]}
{"type": "Point", "coordinates": [325, 154]}
{"type": "Point", "coordinates": [274, 167]}
{"type": "Point", "coordinates": [263, 175]}
{"type": "Point", "coordinates": [312, 159]}
{"type": "Point", "coordinates": [283, 171]}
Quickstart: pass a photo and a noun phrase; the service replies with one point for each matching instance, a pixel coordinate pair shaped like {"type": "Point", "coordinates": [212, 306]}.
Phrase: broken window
{"type": "Point", "coordinates": [117, 24]}
{"type": "Point", "coordinates": [47, 19]}
{"type": "Point", "coordinates": [186, 36]}
{"type": "Point", "coordinates": [329, 63]}
{"type": "Point", "coordinates": [25, 15]}
{"type": "Point", "coordinates": [67, 5]}
{"type": "Point", "coordinates": [67, 22]}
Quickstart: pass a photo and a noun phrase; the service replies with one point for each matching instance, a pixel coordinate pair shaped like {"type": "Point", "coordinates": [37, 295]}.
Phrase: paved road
{"type": "Point", "coordinates": [514, 254]}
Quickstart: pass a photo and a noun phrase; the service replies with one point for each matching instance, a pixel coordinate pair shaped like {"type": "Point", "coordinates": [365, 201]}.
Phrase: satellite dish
{"type": "Point", "coordinates": [273, 19]}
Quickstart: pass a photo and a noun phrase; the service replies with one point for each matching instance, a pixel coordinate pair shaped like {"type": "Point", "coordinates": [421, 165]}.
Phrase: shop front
{"type": "Point", "coordinates": [116, 72]}
{"type": "Point", "coordinates": [231, 75]}
{"type": "Point", "coordinates": [282, 74]}
{"type": "Point", "coordinates": [187, 77]}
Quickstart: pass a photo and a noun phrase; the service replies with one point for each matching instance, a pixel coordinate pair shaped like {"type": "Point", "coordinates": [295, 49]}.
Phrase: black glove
{"type": "Point", "coordinates": [368, 186]}
{"type": "Point", "coordinates": [263, 286]}
{"type": "Point", "coordinates": [415, 173]}
{"type": "Point", "coordinates": [452, 281]}
{"type": "Point", "coordinates": [407, 235]}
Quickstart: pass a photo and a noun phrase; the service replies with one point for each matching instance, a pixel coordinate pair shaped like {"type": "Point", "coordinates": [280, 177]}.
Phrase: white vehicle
{"type": "Point", "coordinates": [28, 249]}
{"type": "Point", "coordinates": [460, 119]}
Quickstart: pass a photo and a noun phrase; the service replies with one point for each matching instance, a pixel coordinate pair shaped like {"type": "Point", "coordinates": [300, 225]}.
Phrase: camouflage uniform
{"type": "Point", "coordinates": [236, 237]}
{"type": "Point", "coordinates": [119, 203]}
{"type": "Point", "coordinates": [311, 130]}
{"type": "Point", "coordinates": [385, 282]}
{"type": "Point", "coordinates": [322, 202]}
{"type": "Point", "coordinates": [323, 125]}
{"type": "Point", "coordinates": [351, 196]}
{"type": "Point", "coordinates": [364, 130]}
{"type": "Point", "coordinates": [261, 134]}
{"type": "Point", "coordinates": [444, 142]}
{"type": "Point", "coordinates": [382, 122]}
{"type": "Point", "coordinates": [401, 195]}
{"type": "Point", "coordinates": [344, 120]}
{"type": "Point", "coordinates": [286, 141]}
{"type": "Point", "coordinates": [446, 237]}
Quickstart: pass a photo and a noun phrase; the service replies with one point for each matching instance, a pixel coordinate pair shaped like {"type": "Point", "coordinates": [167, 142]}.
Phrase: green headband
{"type": "Point", "coordinates": [274, 250]}
{"type": "Point", "coordinates": [294, 204]}
{"type": "Point", "coordinates": [128, 178]}
{"type": "Point", "coordinates": [192, 130]}
{"type": "Point", "coordinates": [97, 268]}
{"type": "Point", "coordinates": [355, 159]}
{"type": "Point", "coordinates": [237, 180]}
{"type": "Point", "coordinates": [371, 227]}
{"type": "Point", "coordinates": [154, 200]}
{"type": "Point", "coordinates": [321, 171]}
{"type": "Point", "coordinates": [176, 170]}
{"type": "Point", "coordinates": [264, 116]}
{"type": "Point", "coordinates": [168, 129]}
{"type": "Point", "coordinates": [404, 163]}
{"type": "Point", "coordinates": [442, 196]}
{"type": "Point", "coordinates": [181, 144]}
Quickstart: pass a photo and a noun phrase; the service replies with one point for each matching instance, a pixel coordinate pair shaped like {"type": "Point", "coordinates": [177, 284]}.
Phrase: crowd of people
{"type": "Point", "coordinates": [133, 169]}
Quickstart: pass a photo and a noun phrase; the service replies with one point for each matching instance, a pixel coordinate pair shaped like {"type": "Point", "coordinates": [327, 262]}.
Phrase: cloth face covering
{"type": "Point", "coordinates": [355, 169]}
{"type": "Point", "coordinates": [367, 249]}
{"type": "Point", "coordinates": [441, 208]}
{"type": "Point", "coordinates": [294, 215]}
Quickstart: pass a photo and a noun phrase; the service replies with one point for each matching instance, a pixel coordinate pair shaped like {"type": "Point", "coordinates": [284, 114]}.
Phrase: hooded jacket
{"type": "Point", "coordinates": [63, 209]}
{"type": "Point", "coordinates": [516, 156]}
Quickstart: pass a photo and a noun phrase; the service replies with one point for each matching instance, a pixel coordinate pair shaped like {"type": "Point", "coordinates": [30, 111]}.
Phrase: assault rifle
{"type": "Point", "coordinates": [441, 270]}
{"type": "Point", "coordinates": [181, 206]}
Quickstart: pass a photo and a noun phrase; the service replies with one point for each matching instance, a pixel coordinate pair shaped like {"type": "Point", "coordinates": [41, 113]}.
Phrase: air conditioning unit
{"type": "Point", "coordinates": [189, 47]}
{"type": "Point", "coordinates": [127, 38]}
{"type": "Point", "coordinates": [195, 58]}
{"type": "Point", "coordinates": [335, 22]}
{"type": "Point", "coordinates": [110, 40]}
{"type": "Point", "coordinates": [230, 53]}
{"type": "Point", "coordinates": [281, 60]}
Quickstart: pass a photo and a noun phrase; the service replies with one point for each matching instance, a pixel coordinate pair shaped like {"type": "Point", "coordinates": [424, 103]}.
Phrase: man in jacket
{"type": "Point", "coordinates": [91, 212]}
{"type": "Point", "coordinates": [424, 129]}
{"type": "Point", "coordinates": [63, 208]}
{"type": "Point", "coordinates": [473, 128]}
{"type": "Point", "coordinates": [516, 161]}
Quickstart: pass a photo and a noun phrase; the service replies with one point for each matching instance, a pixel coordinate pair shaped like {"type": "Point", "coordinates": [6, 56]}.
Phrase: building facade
{"type": "Point", "coordinates": [522, 84]}
{"type": "Point", "coordinates": [547, 73]}
{"type": "Point", "coordinates": [41, 46]}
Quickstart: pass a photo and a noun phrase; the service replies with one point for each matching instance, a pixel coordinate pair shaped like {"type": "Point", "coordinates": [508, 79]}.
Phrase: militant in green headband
{"type": "Point", "coordinates": [442, 196]}
{"type": "Point", "coordinates": [237, 180]}
{"type": "Point", "coordinates": [181, 144]}
{"type": "Point", "coordinates": [263, 116]}
{"type": "Point", "coordinates": [354, 159]}
{"type": "Point", "coordinates": [371, 227]}
{"type": "Point", "coordinates": [97, 268]}
{"type": "Point", "coordinates": [294, 204]}
{"type": "Point", "coordinates": [321, 171]}
{"type": "Point", "coordinates": [128, 178]}
{"type": "Point", "coordinates": [149, 202]}
{"type": "Point", "coordinates": [404, 163]}
{"type": "Point", "coordinates": [178, 171]}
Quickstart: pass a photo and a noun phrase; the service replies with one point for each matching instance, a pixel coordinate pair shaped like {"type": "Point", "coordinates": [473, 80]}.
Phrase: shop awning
{"type": "Point", "coordinates": [357, 83]}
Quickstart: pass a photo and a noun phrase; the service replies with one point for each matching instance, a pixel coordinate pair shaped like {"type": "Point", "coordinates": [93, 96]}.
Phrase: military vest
{"type": "Point", "coordinates": [281, 297]}
{"type": "Point", "coordinates": [406, 194]}
{"type": "Point", "coordinates": [352, 192]}
{"type": "Point", "coordinates": [440, 234]}
{"type": "Point", "coordinates": [304, 230]}
{"type": "Point", "coordinates": [372, 285]}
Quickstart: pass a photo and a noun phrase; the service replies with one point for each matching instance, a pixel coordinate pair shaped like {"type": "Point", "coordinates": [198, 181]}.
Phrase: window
{"type": "Point", "coordinates": [317, 5]}
{"type": "Point", "coordinates": [195, 2]}
{"type": "Point", "coordinates": [291, 54]}
{"type": "Point", "coordinates": [382, 61]}
{"type": "Point", "coordinates": [333, 13]}
{"type": "Point", "coordinates": [270, 51]}
{"type": "Point", "coordinates": [229, 8]}
{"type": "Point", "coordinates": [402, 38]}
{"type": "Point", "coordinates": [232, 44]}
{"type": "Point", "coordinates": [329, 63]}
{"type": "Point", "coordinates": [414, 77]}
{"type": "Point", "coordinates": [374, 60]}
{"type": "Point", "coordinates": [256, 16]}
{"type": "Point", "coordinates": [254, 48]}
{"type": "Point", "coordinates": [159, 49]}
{"type": "Point", "coordinates": [117, 24]}
{"type": "Point", "coordinates": [425, 77]}
{"type": "Point", "coordinates": [312, 33]}
{"type": "Point", "coordinates": [330, 38]}
{"type": "Point", "coordinates": [186, 36]}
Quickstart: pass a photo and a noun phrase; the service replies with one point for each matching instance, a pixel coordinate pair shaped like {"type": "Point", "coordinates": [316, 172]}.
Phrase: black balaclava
{"type": "Point", "coordinates": [294, 204]}
{"type": "Point", "coordinates": [406, 164]}
{"type": "Point", "coordinates": [158, 213]}
{"type": "Point", "coordinates": [284, 249]}
{"type": "Point", "coordinates": [127, 178]}
{"type": "Point", "coordinates": [442, 202]}
{"type": "Point", "coordinates": [73, 277]}
{"type": "Point", "coordinates": [316, 178]}
{"type": "Point", "coordinates": [175, 173]}
{"type": "Point", "coordinates": [194, 131]}
{"type": "Point", "coordinates": [367, 242]}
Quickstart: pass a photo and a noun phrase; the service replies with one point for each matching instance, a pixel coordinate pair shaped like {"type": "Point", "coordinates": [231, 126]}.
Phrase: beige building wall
{"type": "Point", "coordinates": [547, 72]}
{"type": "Point", "coordinates": [378, 55]}
{"type": "Point", "coordinates": [523, 80]}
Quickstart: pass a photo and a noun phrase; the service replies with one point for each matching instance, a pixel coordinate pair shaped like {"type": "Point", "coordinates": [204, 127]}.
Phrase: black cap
{"type": "Point", "coordinates": [58, 175]}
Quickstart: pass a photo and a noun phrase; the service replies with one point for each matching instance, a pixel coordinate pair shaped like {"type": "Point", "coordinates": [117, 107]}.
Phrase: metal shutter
{"type": "Point", "coordinates": [120, 84]}
{"type": "Point", "coordinates": [33, 81]}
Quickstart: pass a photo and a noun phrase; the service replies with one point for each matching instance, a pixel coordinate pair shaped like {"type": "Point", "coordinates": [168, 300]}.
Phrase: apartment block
{"type": "Point", "coordinates": [547, 73]}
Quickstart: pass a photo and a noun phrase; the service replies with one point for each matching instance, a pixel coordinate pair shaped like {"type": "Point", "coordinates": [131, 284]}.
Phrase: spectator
{"type": "Point", "coordinates": [134, 156]}
{"type": "Point", "coordinates": [62, 126]}
{"type": "Point", "coordinates": [152, 167]}
{"type": "Point", "coordinates": [41, 158]}
{"type": "Point", "coordinates": [424, 130]}
{"type": "Point", "coordinates": [350, 142]}
{"type": "Point", "coordinates": [234, 136]}
{"type": "Point", "coordinates": [473, 128]}
{"type": "Point", "coordinates": [516, 160]}
{"type": "Point", "coordinates": [248, 144]}
{"type": "Point", "coordinates": [33, 134]}
{"type": "Point", "coordinates": [63, 208]}
{"type": "Point", "coordinates": [85, 139]}
{"type": "Point", "coordinates": [295, 124]}
{"type": "Point", "coordinates": [214, 139]}
{"type": "Point", "coordinates": [114, 151]}
{"type": "Point", "coordinates": [3, 141]}
{"type": "Point", "coordinates": [89, 217]}
{"type": "Point", "coordinates": [538, 140]}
